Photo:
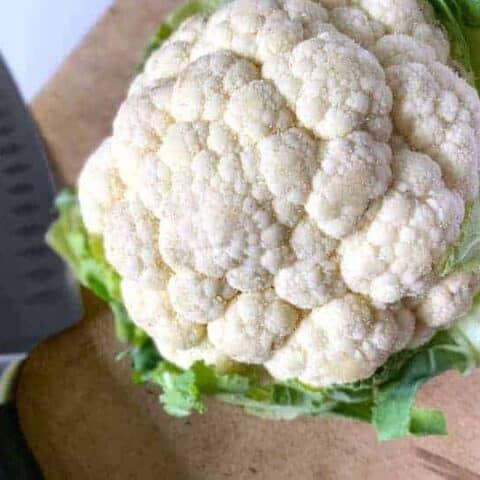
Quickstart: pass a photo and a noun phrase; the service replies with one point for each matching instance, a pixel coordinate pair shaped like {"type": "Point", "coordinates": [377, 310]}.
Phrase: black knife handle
{"type": "Point", "coordinates": [16, 460]}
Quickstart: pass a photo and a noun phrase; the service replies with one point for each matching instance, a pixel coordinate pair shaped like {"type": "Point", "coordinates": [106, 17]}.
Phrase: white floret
{"type": "Point", "coordinates": [213, 219]}
{"type": "Point", "coordinates": [174, 56]}
{"type": "Point", "coordinates": [355, 170]}
{"type": "Point", "coordinates": [131, 243]}
{"type": "Point", "coordinates": [169, 61]}
{"type": "Point", "coordinates": [439, 114]}
{"type": "Point", "coordinates": [138, 128]}
{"type": "Point", "coordinates": [314, 278]}
{"type": "Point", "coordinates": [394, 15]}
{"type": "Point", "coordinates": [261, 29]}
{"type": "Point", "coordinates": [398, 49]}
{"type": "Point", "coordinates": [310, 244]}
{"type": "Point", "coordinates": [236, 26]}
{"type": "Point", "coordinates": [288, 162]}
{"type": "Point", "coordinates": [431, 32]}
{"type": "Point", "coordinates": [355, 23]}
{"type": "Point", "coordinates": [310, 13]}
{"type": "Point", "coordinates": [287, 213]}
{"type": "Point", "coordinates": [411, 17]}
{"type": "Point", "coordinates": [308, 284]}
{"type": "Point", "coordinates": [203, 88]}
{"type": "Point", "coordinates": [254, 325]}
{"type": "Point", "coordinates": [335, 86]}
{"type": "Point", "coordinates": [343, 341]}
{"type": "Point", "coordinates": [198, 299]}
{"type": "Point", "coordinates": [190, 30]}
{"type": "Point", "coordinates": [99, 187]}
{"type": "Point", "coordinates": [151, 310]}
{"type": "Point", "coordinates": [142, 119]}
{"type": "Point", "coordinates": [447, 300]}
{"type": "Point", "coordinates": [256, 111]}
{"type": "Point", "coordinates": [393, 255]}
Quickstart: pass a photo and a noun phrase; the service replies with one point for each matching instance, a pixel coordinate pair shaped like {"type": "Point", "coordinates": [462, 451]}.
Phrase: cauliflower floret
{"type": "Point", "coordinates": [99, 187]}
{"type": "Point", "coordinates": [438, 113]}
{"type": "Point", "coordinates": [130, 238]}
{"type": "Point", "coordinates": [335, 86]}
{"type": "Point", "coordinates": [169, 61]}
{"type": "Point", "coordinates": [411, 17]}
{"type": "Point", "coordinates": [198, 299]}
{"type": "Point", "coordinates": [310, 13]}
{"type": "Point", "coordinates": [447, 300]}
{"type": "Point", "coordinates": [399, 49]}
{"type": "Point", "coordinates": [256, 111]}
{"type": "Point", "coordinates": [189, 31]}
{"type": "Point", "coordinates": [396, 16]}
{"type": "Point", "coordinates": [151, 310]}
{"type": "Point", "coordinates": [254, 325]}
{"type": "Point", "coordinates": [433, 35]}
{"type": "Point", "coordinates": [314, 279]}
{"type": "Point", "coordinates": [393, 255]}
{"type": "Point", "coordinates": [139, 126]}
{"type": "Point", "coordinates": [288, 162]}
{"type": "Point", "coordinates": [221, 225]}
{"type": "Point", "coordinates": [143, 119]}
{"type": "Point", "coordinates": [287, 213]}
{"type": "Point", "coordinates": [236, 26]}
{"type": "Point", "coordinates": [260, 29]}
{"type": "Point", "coordinates": [355, 171]}
{"type": "Point", "coordinates": [343, 341]}
{"type": "Point", "coordinates": [174, 56]}
{"type": "Point", "coordinates": [310, 244]}
{"type": "Point", "coordinates": [356, 24]}
{"type": "Point", "coordinates": [307, 284]}
{"type": "Point", "coordinates": [202, 90]}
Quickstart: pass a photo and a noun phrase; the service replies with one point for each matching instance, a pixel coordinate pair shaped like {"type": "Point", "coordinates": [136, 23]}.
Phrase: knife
{"type": "Point", "coordinates": [38, 295]}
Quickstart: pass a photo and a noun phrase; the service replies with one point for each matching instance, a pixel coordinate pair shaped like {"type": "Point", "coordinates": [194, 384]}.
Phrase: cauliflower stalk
{"type": "Point", "coordinates": [286, 213]}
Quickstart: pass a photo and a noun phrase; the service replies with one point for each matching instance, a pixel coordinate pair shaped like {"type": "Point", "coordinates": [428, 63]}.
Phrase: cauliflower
{"type": "Point", "coordinates": [281, 182]}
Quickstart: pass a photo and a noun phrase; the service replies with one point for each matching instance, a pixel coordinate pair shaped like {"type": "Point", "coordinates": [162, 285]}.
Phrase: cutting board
{"type": "Point", "coordinates": [85, 420]}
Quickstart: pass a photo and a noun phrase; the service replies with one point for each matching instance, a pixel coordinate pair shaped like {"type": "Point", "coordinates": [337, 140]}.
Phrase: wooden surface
{"type": "Point", "coordinates": [86, 421]}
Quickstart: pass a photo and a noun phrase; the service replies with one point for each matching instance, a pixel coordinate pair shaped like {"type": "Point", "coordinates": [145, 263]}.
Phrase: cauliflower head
{"type": "Point", "coordinates": [281, 181]}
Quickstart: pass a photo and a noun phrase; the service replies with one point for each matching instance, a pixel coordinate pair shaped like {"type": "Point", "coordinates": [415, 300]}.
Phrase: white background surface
{"type": "Point", "coordinates": [37, 35]}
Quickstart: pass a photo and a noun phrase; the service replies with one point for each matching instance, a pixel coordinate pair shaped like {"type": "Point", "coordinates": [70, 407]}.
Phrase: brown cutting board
{"type": "Point", "coordinates": [83, 417]}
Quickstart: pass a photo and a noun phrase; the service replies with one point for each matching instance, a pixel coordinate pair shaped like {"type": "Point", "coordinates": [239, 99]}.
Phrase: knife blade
{"type": "Point", "coordinates": [38, 295]}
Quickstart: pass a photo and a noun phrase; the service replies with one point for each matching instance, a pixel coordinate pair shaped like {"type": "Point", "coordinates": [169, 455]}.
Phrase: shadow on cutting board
{"type": "Point", "coordinates": [78, 413]}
